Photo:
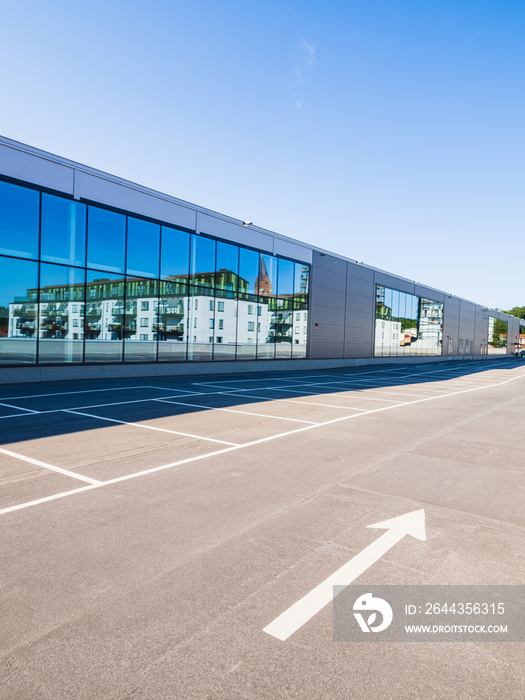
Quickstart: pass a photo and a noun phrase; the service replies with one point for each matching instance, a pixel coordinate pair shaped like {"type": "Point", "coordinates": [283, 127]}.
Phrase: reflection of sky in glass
{"type": "Point", "coordinates": [143, 248]}
{"type": "Point", "coordinates": [106, 239]}
{"type": "Point", "coordinates": [249, 267]}
{"type": "Point", "coordinates": [202, 255]}
{"type": "Point", "coordinates": [394, 302]}
{"type": "Point", "coordinates": [63, 230]}
{"type": "Point", "coordinates": [227, 259]}
{"type": "Point", "coordinates": [17, 276]}
{"type": "Point", "coordinates": [388, 298]}
{"type": "Point", "coordinates": [270, 263]}
{"type": "Point", "coordinates": [19, 212]}
{"type": "Point", "coordinates": [286, 277]}
{"type": "Point", "coordinates": [175, 252]}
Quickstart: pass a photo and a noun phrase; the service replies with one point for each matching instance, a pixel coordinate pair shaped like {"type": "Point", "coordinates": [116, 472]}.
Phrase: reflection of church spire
{"type": "Point", "coordinates": [263, 285]}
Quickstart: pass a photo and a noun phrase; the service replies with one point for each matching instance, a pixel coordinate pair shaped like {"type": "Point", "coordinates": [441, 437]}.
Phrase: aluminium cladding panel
{"type": "Point", "coordinates": [467, 320]}
{"type": "Point", "coordinates": [450, 326]}
{"type": "Point", "coordinates": [327, 307]}
{"type": "Point", "coordinates": [122, 196]}
{"type": "Point", "coordinates": [383, 279]}
{"type": "Point", "coordinates": [36, 169]}
{"type": "Point", "coordinates": [360, 312]}
{"type": "Point", "coordinates": [482, 326]}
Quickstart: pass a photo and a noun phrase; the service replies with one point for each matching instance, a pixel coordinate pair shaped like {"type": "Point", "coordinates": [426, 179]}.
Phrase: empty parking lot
{"type": "Point", "coordinates": [153, 529]}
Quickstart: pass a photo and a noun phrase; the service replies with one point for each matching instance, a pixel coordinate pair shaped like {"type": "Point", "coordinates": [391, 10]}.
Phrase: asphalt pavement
{"type": "Point", "coordinates": [153, 530]}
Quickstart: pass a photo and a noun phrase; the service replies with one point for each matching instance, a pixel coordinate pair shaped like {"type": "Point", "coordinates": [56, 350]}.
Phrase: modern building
{"type": "Point", "coordinates": [103, 277]}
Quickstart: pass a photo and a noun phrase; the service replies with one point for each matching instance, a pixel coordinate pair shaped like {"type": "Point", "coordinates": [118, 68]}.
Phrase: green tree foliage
{"type": "Point", "coordinates": [518, 311]}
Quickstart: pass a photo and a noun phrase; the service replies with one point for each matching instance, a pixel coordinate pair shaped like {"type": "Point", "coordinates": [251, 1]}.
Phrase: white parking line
{"type": "Point", "coordinates": [308, 403]}
{"type": "Point", "coordinates": [248, 444]}
{"type": "Point", "coordinates": [17, 408]}
{"type": "Point", "coordinates": [83, 391]}
{"type": "Point", "coordinates": [45, 465]}
{"type": "Point", "coordinates": [231, 410]}
{"type": "Point", "coordinates": [151, 427]}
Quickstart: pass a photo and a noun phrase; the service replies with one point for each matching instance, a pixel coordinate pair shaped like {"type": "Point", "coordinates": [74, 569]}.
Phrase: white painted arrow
{"type": "Point", "coordinates": [302, 611]}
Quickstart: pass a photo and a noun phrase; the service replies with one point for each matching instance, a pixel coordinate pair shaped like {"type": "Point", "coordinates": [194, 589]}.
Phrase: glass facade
{"type": "Point", "coordinates": [407, 325]}
{"type": "Point", "coordinates": [497, 338]}
{"type": "Point", "coordinates": [80, 283]}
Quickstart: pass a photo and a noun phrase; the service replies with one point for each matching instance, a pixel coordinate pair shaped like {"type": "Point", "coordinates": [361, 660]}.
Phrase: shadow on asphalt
{"type": "Point", "coordinates": [129, 401]}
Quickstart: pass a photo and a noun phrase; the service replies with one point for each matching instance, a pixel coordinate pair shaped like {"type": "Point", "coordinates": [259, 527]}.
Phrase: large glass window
{"type": "Point", "coordinates": [227, 269]}
{"type": "Point", "coordinates": [300, 328]}
{"type": "Point", "coordinates": [18, 311]}
{"type": "Point", "coordinates": [407, 324]}
{"type": "Point", "coordinates": [202, 262]}
{"type": "Point", "coordinates": [111, 287]}
{"type": "Point", "coordinates": [106, 239]}
{"type": "Point", "coordinates": [248, 273]}
{"type": "Point", "coordinates": [141, 320]}
{"type": "Point", "coordinates": [61, 314]}
{"type": "Point", "coordinates": [267, 321]}
{"type": "Point", "coordinates": [175, 254]}
{"type": "Point", "coordinates": [172, 320]}
{"type": "Point", "coordinates": [143, 248]}
{"type": "Point", "coordinates": [63, 231]}
{"type": "Point", "coordinates": [497, 338]}
{"type": "Point", "coordinates": [285, 310]}
{"type": "Point", "coordinates": [105, 313]}
{"type": "Point", "coordinates": [225, 329]}
{"type": "Point", "coordinates": [200, 338]}
{"type": "Point", "coordinates": [19, 220]}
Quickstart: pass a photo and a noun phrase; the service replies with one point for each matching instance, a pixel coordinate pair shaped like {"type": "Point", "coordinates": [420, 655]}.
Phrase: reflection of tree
{"type": "Point", "coordinates": [499, 339]}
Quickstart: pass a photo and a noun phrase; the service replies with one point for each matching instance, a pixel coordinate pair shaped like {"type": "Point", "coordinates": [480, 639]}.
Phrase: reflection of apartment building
{"type": "Point", "coordinates": [133, 310]}
{"type": "Point", "coordinates": [388, 333]}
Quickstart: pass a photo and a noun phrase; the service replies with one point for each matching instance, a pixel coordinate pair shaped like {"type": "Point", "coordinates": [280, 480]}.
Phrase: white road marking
{"type": "Point", "coordinates": [252, 443]}
{"type": "Point", "coordinates": [45, 465]}
{"type": "Point", "coordinates": [299, 613]}
{"type": "Point", "coordinates": [83, 391]}
{"type": "Point", "coordinates": [17, 408]}
{"type": "Point", "coordinates": [151, 427]}
{"type": "Point", "coordinates": [232, 410]}
{"type": "Point", "coordinates": [307, 403]}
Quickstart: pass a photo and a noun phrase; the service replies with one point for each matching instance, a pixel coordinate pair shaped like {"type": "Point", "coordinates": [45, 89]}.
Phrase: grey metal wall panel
{"type": "Point", "coordinates": [359, 334]}
{"type": "Point", "coordinates": [21, 165]}
{"type": "Point", "coordinates": [401, 285]}
{"type": "Point", "coordinates": [467, 315]}
{"type": "Point", "coordinates": [125, 197]}
{"type": "Point", "coordinates": [359, 272]}
{"type": "Point", "coordinates": [360, 313]}
{"type": "Point", "coordinates": [327, 307]}
{"type": "Point", "coordinates": [428, 293]}
{"type": "Point", "coordinates": [450, 326]}
{"type": "Point", "coordinates": [288, 249]}
{"type": "Point", "coordinates": [329, 296]}
{"type": "Point", "coordinates": [481, 332]}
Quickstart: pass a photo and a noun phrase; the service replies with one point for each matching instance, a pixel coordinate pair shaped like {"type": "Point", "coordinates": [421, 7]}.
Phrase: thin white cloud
{"type": "Point", "coordinates": [309, 53]}
{"type": "Point", "coordinates": [305, 61]}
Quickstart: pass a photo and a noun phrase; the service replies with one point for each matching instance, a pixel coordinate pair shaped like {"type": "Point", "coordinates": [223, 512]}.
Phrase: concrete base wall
{"type": "Point", "coordinates": [34, 375]}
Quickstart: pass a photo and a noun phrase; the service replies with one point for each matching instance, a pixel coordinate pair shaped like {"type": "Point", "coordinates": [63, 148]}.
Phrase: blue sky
{"type": "Point", "coordinates": [388, 131]}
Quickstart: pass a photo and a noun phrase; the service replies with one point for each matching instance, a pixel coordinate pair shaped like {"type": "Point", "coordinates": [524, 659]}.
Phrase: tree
{"type": "Point", "coordinates": [518, 311]}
